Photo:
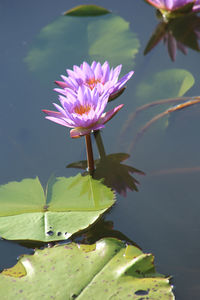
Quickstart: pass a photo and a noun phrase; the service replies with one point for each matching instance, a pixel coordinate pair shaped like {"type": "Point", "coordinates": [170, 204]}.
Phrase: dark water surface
{"type": "Point", "coordinates": [163, 217]}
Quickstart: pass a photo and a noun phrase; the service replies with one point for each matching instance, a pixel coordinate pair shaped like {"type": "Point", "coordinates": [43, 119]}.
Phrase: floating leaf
{"type": "Point", "coordinates": [107, 269]}
{"type": "Point", "coordinates": [70, 204]}
{"type": "Point", "coordinates": [104, 38]}
{"type": "Point", "coordinates": [160, 116]}
{"type": "Point", "coordinates": [112, 40]}
{"type": "Point", "coordinates": [17, 271]}
{"type": "Point", "coordinates": [87, 11]}
{"type": "Point", "coordinates": [165, 84]}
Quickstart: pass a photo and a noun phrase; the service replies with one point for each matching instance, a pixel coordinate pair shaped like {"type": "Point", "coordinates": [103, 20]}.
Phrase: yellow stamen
{"type": "Point", "coordinates": [92, 83]}
{"type": "Point", "coordinates": [82, 109]}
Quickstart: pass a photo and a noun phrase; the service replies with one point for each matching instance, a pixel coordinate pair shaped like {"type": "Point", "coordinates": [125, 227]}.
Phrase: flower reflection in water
{"type": "Point", "coordinates": [173, 8]}
{"type": "Point", "coordinates": [110, 168]}
{"type": "Point", "coordinates": [180, 33]}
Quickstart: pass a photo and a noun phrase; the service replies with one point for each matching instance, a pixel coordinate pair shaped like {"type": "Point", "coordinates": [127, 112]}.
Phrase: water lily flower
{"type": "Point", "coordinates": [82, 110]}
{"type": "Point", "coordinates": [167, 6]}
{"type": "Point", "coordinates": [97, 76]}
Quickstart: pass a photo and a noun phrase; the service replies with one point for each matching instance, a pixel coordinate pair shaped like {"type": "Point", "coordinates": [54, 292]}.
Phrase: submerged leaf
{"type": "Point", "coordinates": [87, 10]}
{"type": "Point", "coordinates": [112, 40]}
{"type": "Point", "coordinates": [104, 38]}
{"type": "Point", "coordinates": [70, 205]}
{"type": "Point", "coordinates": [157, 87]}
{"type": "Point", "coordinates": [107, 269]}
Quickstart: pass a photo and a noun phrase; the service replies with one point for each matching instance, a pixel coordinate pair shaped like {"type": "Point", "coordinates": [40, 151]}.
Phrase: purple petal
{"type": "Point", "coordinates": [81, 94]}
{"type": "Point", "coordinates": [106, 72]}
{"type": "Point", "coordinates": [93, 65]}
{"type": "Point", "coordinates": [196, 6]}
{"type": "Point", "coordinates": [71, 82]}
{"type": "Point", "coordinates": [110, 114]}
{"type": "Point", "coordinates": [89, 74]}
{"type": "Point", "coordinates": [122, 81]}
{"type": "Point", "coordinates": [51, 113]}
{"type": "Point", "coordinates": [169, 4]}
{"type": "Point", "coordinates": [60, 91]}
{"type": "Point", "coordinates": [116, 73]}
{"type": "Point", "coordinates": [98, 126]}
{"type": "Point", "coordinates": [61, 84]}
{"type": "Point", "coordinates": [60, 109]}
{"type": "Point", "coordinates": [71, 73]}
{"type": "Point", "coordinates": [79, 72]}
{"type": "Point", "coordinates": [59, 121]}
{"type": "Point", "coordinates": [98, 72]}
{"type": "Point", "coordinates": [101, 104]}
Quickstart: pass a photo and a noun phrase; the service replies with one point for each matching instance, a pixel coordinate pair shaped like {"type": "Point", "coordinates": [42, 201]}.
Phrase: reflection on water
{"type": "Point", "coordinates": [164, 216]}
{"type": "Point", "coordinates": [110, 168]}
{"type": "Point", "coordinates": [102, 229]}
{"type": "Point", "coordinates": [179, 33]}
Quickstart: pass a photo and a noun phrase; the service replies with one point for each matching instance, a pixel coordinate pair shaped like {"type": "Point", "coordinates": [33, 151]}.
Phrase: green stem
{"type": "Point", "coordinates": [90, 159]}
{"type": "Point", "coordinates": [99, 143]}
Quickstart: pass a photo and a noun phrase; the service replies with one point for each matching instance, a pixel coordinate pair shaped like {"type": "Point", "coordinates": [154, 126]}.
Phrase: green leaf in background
{"type": "Point", "coordinates": [112, 40]}
{"type": "Point", "coordinates": [70, 205]}
{"type": "Point", "coordinates": [68, 41]}
{"type": "Point", "coordinates": [107, 269]}
{"type": "Point", "coordinates": [86, 11]}
{"type": "Point", "coordinates": [165, 84]}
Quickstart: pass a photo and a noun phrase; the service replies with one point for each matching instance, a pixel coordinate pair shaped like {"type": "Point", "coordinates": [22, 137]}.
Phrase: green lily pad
{"type": "Point", "coordinates": [107, 269]}
{"type": "Point", "coordinates": [165, 84]}
{"type": "Point", "coordinates": [87, 11]}
{"type": "Point", "coordinates": [69, 41]}
{"type": "Point", "coordinates": [68, 206]}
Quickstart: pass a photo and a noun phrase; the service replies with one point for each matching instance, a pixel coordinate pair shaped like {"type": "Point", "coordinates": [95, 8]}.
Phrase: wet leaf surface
{"type": "Point", "coordinates": [69, 205]}
{"type": "Point", "coordinates": [107, 269]}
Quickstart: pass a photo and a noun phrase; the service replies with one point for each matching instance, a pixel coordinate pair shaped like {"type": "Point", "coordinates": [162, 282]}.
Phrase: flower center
{"type": "Point", "coordinates": [82, 109]}
{"type": "Point", "coordinates": [92, 82]}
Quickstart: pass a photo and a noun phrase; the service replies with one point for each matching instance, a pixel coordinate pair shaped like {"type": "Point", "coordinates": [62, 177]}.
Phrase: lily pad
{"type": "Point", "coordinates": [87, 10]}
{"type": "Point", "coordinates": [69, 41]}
{"type": "Point", "coordinates": [165, 84]}
{"type": "Point", "coordinates": [68, 206]}
{"type": "Point", "coordinates": [107, 269]}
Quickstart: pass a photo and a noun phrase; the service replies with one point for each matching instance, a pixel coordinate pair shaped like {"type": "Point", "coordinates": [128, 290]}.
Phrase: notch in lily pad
{"type": "Point", "coordinates": [86, 11]}
{"type": "Point", "coordinates": [67, 206]}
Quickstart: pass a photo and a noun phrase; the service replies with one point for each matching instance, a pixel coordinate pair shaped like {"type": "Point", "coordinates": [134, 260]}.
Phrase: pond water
{"type": "Point", "coordinates": [163, 216]}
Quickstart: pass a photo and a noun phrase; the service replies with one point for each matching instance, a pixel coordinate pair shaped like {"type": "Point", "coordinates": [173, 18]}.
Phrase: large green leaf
{"type": "Point", "coordinates": [87, 10]}
{"type": "Point", "coordinates": [165, 84]}
{"type": "Point", "coordinates": [69, 205]}
{"type": "Point", "coordinates": [68, 41]}
{"type": "Point", "coordinates": [107, 269]}
{"type": "Point", "coordinates": [112, 40]}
